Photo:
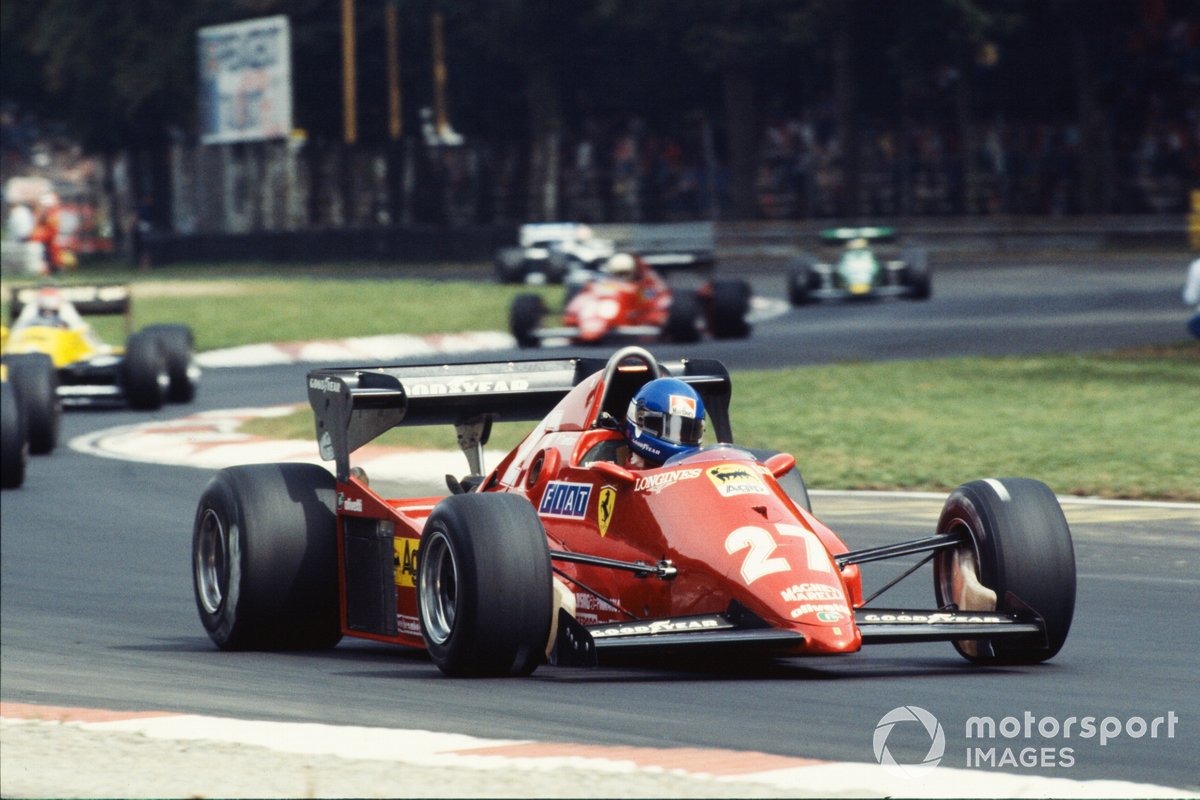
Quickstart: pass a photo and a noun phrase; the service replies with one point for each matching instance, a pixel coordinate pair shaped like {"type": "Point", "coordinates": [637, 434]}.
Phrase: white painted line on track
{"type": "Point", "coordinates": [355, 349]}
{"type": "Point", "coordinates": [394, 346]}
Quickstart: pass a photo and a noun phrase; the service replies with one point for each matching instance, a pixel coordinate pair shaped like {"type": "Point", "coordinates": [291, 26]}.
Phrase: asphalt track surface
{"type": "Point", "coordinates": [97, 610]}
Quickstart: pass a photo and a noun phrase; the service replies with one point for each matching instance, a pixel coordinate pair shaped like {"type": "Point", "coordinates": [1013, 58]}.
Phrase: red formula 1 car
{"type": "Point", "coordinates": [561, 554]}
{"type": "Point", "coordinates": [636, 305]}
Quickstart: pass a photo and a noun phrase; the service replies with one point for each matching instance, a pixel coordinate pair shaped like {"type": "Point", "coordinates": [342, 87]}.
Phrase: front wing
{"type": "Point", "coordinates": [737, 629]}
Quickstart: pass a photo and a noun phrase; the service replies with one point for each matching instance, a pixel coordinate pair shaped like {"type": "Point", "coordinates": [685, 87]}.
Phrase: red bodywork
{"type": "Point", "coordinates": [719, 517]}
{"type": "Point", "coordinates": [606, 305]}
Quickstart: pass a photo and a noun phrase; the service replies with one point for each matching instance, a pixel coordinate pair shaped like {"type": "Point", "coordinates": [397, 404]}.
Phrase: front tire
{"type": "Point", "coordinates": [14, 443]}
{"type": "Point", "coordinates": [510, 265]}
{"type": "Point", "coordinates": [730, 304]}
{"type": "Point", "coordinates": [484, 589]}
{"type": "Point", "coordinates": [525, 317]}
{"type": "Point", "coordinates": [1017, 556]}
{"type": "Point", "coordinates": [683, 318]}
{"type": "Point", "coordinates": [802, 279]}
{"type": "Point", "coordinates": [264, 558]}
{"type": "Point", "coordinates": [917, 275]}
{"type": "Point", "coordinates": [35, 382]}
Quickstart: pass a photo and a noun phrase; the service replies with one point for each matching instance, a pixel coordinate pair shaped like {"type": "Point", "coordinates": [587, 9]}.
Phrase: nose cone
{"type": "Point", "coordinates": [831, 638]}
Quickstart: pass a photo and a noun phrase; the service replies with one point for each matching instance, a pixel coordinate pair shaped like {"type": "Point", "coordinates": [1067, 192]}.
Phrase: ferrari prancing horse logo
{"type": "Point", "coordinates": [605, 507]}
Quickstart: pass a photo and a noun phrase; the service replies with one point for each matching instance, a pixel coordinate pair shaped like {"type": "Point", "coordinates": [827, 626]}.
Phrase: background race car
{"type": "Point", "coordinates": [566, 552]}
{"type": "Point", "coordinates": [860, 263]}
{"type": "Point", "coordinates": [156, 365]}
{"type": "Point", "coordinates": [553, 252]}
{"type": "Point", "coordinates": [634, 303]}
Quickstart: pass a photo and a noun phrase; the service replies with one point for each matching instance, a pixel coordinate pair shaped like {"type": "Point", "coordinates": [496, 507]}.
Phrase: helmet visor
{"type": "Point", "coordinates": [674, 428]}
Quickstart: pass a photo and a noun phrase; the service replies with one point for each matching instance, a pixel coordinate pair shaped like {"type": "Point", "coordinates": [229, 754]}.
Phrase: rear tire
{"type": "Point", "coordinates": [264, 558]}
{"type": "Point", "coordinates": [683, 318]}
{"type": "Point", "coordinates": [525, 317]}
{"type": "Point", "coordinates": [178, 346]}
{"type": "Point", "coordinates": [146, 378]}
{"type": "Point", "coordinates": [14, 444]}
{"type": "Point", "coordinates": [1019, 547]}
{"type": "Point", "coordinates": [35, 382]}
{"type": "Point", "coordinates": [484, 590]}
{"type": "Point", "coordinates": [730, 304]}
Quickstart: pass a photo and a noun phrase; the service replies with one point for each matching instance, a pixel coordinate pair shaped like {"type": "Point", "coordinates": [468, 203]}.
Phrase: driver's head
{"type": "Point", "coordinates": [620, 265]}
{"type": "Point", "coordinates": [665, 419]}
{"type": "Point", "coordinates": [49, 301]}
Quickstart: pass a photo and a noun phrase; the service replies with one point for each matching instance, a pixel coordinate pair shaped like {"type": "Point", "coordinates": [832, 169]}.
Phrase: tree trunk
{"type": "Point", "coordinates": [1092, 188]}
{"type": "Point", "coordinates": [741, 113]}
{"type": "Point", "coordinates": [545, 124]}
{"type": "Point", "coordinates": [845, 108]}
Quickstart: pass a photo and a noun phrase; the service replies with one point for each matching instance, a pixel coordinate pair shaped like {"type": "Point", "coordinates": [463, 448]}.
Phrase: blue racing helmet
{"type": "Point", "coordinates": [665, 419]}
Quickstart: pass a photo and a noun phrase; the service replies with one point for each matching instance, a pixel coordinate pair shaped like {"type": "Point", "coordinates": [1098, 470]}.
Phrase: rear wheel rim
{"type": "Point", "coordinates": [439, 588]}
{"type": "Point", "coordinates": [212, 562]}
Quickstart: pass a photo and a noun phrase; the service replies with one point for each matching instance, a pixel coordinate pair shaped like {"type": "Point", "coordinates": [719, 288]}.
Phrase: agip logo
{"type": "Point", "coordinates": [901, 717]}
{"type": "Point", "coordinates": [734, 479]}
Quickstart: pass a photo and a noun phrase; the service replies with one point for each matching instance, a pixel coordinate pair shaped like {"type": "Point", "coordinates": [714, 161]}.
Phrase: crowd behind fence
{"type": "Point", "coordinates": [628, 173]}
{"type": "Point", "coordinates": [1026, 169]}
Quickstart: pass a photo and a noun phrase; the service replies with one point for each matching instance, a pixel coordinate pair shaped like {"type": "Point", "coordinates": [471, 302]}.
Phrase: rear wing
{"type": "Point", "coordinates": [874, 234]}
{"type": "Point", "coordinates": [100, 300]}
{"type": "Point", "coordinates": [667, 260]}
{"type": "Point", "coordinates": [354, 405]}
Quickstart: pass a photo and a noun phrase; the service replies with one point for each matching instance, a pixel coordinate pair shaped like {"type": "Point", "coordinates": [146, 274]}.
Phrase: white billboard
{"type": "Point", "coordinates": [245, 80]}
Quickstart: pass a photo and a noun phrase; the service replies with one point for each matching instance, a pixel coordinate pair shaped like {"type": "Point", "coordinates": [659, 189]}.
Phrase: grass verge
{"type": "Point", "coordinates": [249, 304]}
{"type": "Point", "coordinates": [1117, 425]}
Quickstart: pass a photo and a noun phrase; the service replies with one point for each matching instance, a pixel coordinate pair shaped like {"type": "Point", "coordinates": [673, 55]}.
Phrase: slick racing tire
{"type": "Point", "coordinates": [730, 304]}
{"type": "Point", "coordinates": [917, 276]}
{"type": "Point", "coordinates": [14, 444]}
{"type": "Point", "coordinates": [683, 318]}
{"type": "Point", "coordinates": [35, 382]}
{"type": "Point", "coordinates": [510, 265]}
{"type": "Point", "coordinates": [145, 374]}
{"type": "Point", "coordinates": [1017, 556]}
{"type": "Point", "coordinates": [178, 346]}
{"type": "Point", "coordinates": [264, 558]}
{"type": "Point", "coordinates": [484, 589]}
{"type": "Point", "coordinates": [525, 317]}
{"type": "Point", "coordinates": [792, 483]}
{"type": "Point", "coordinates": [802, 279]}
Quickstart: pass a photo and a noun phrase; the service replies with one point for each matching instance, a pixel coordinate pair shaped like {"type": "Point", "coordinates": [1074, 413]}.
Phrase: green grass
{"type": "Point", "coordinates": [1121, 425]}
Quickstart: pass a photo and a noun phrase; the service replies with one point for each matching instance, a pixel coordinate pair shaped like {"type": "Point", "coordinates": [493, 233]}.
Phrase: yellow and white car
{"type": "Point", "coordinates": [157, 364]}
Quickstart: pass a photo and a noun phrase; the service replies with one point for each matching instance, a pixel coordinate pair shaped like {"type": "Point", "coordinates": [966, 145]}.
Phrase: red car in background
{"type": "Point", "coordinates": [639, 305]}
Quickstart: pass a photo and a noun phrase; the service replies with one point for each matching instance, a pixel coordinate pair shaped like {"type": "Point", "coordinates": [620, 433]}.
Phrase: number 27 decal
{"type": "Point", "coordinates": [760, 560]}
